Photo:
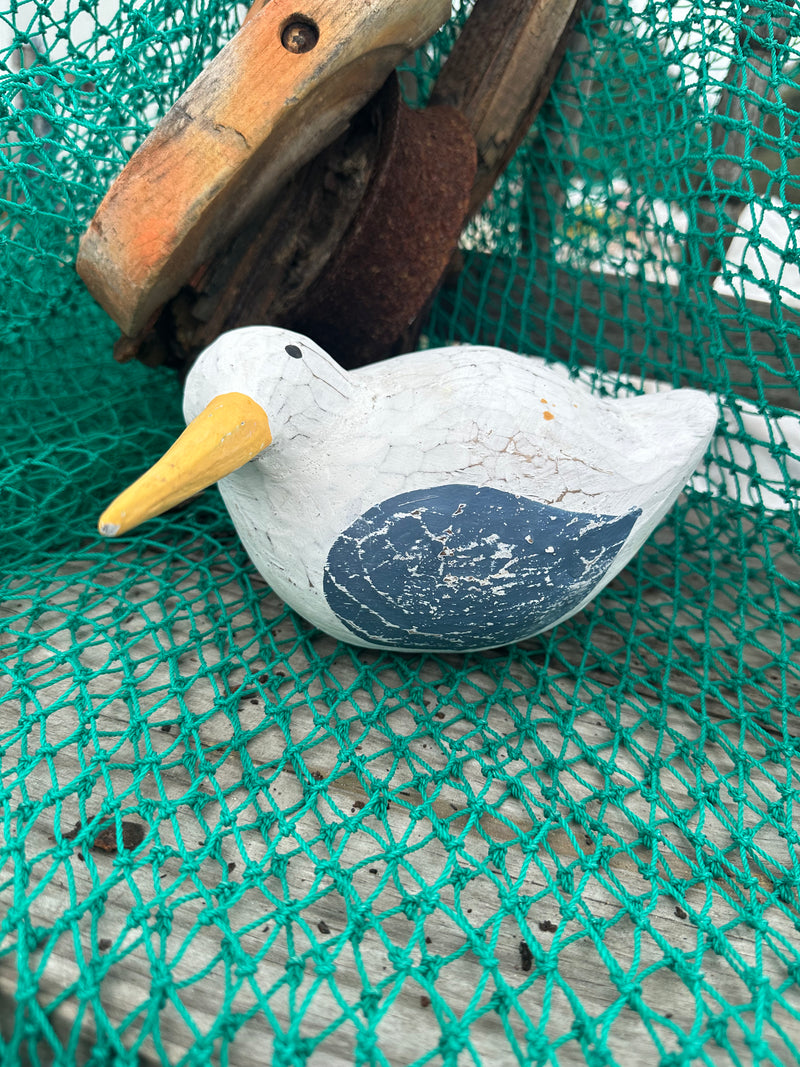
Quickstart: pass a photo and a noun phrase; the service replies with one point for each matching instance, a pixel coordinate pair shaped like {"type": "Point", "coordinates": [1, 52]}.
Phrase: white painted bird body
{"type": "Point", "coordinates": [448, 500]}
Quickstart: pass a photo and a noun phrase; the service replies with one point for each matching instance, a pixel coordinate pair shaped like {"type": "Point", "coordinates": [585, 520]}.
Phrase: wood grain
{"type": "Point", "coordinates": [499, 74]}
{"type": "Point", "coordinates": [252, 118]}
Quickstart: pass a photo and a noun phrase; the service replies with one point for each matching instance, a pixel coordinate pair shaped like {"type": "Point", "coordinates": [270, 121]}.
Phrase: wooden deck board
{"type": "Point", "coordinates": [275, 789]}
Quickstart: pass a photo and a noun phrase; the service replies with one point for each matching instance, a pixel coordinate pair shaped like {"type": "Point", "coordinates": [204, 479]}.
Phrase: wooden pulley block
{"type": "Point", "coordinates": [291, 185]}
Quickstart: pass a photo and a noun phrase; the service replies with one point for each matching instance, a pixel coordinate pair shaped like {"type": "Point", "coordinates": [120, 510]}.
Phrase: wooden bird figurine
{"type": "Point", "coordinates": [449, 500]}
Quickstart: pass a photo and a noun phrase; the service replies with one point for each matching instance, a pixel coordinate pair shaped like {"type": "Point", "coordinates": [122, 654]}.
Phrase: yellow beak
{"type": "Point", "coordinates": [230, 431]}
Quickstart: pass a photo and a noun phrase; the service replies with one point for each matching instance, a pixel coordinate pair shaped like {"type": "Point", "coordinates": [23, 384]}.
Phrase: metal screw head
{"type": "Point", "coordinates": [299, 36]}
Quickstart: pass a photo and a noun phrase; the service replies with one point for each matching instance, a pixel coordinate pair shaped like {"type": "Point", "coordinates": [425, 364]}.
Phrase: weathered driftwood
{"type": "Point", "coordinates": [499, 74]}
{"type": "Point", "coordinates": [215, 222]}
{"type": "Point", "coordinates": [276, 94]}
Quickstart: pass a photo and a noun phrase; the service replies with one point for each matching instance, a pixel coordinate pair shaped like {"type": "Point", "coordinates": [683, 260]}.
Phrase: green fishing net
{"type": "Point", "coordinates": [226, 838]}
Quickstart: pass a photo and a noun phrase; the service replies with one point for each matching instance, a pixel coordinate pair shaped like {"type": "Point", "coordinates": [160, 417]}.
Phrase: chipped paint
{"type": "Point", "coordinates": [366, 514]}
{"type": "Point", "coordinates": [509, 568]}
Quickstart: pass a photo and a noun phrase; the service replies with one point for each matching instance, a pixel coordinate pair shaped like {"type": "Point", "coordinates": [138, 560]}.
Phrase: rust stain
{"type": "Point", "coordinates": [402, 237]}
{"type": "Point", "coordinates": [549, 415]}
{"type": "Point", "coordinates": [132, 835]}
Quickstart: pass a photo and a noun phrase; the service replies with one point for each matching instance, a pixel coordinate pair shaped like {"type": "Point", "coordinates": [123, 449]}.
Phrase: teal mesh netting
{"type": "Point", "coordinates": [227, 839]}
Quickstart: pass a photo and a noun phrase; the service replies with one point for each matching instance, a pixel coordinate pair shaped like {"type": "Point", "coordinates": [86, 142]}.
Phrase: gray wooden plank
{"type": "Point", "coordinates": [581, 832]}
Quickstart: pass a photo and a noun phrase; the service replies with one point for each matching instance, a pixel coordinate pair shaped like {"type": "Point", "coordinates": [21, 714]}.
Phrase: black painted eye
{"type": "Point", "coordinates": [294, 352]}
